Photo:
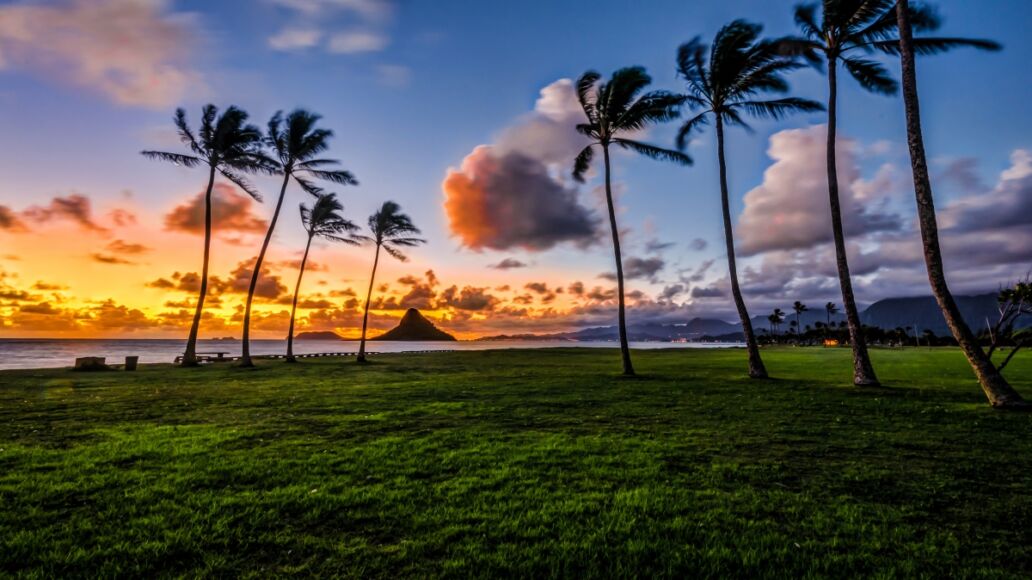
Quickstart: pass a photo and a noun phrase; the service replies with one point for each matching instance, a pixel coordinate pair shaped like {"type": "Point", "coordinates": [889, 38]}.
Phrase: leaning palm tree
{"type": "Point", "coordinates": [999, 392]}
{"type": "Point", "coordinates": [322, 220]}
{"type": "Point", "coordinates": [296, 143]}
{"type": "Point", "coordinates": [389, 230]}
{"type": "Point", "coordinates": [846, 27]}
{"type": "Point", "coordinates": [614, 109]}
{"type": "Point", "coordinates": [725, 86]}
{"type": "Point", "coordinates": [227, 146]}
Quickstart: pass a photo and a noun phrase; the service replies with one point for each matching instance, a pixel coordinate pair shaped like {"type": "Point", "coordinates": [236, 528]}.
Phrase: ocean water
{"type": "Point", "coordinates": [55, 353]}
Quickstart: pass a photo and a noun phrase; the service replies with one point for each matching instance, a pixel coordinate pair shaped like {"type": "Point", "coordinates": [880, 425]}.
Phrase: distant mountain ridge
{"type": "Point", "coordinates": [919, 312]}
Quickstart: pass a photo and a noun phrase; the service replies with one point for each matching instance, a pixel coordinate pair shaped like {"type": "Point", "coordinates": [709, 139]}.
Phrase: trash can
{"type": "Point", "coordinates": [130, 362]}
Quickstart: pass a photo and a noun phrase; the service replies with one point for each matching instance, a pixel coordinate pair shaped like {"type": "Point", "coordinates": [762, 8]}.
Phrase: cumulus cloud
{"type": "Point", "coordinates": [134, 52]}
{"type": "Point", "coordinates": [469, 298]}
{"type": "Point", "coordinates": [514, 193]}
{"type": "Point", "coordinates": [230, 211]}
{"type": "Point", "coordinates": [790, 208]}
{"type": "Point", "coordinates": [109, 259]}
{"type": "Point", "coordinates": [356, 42]}
{"type": "Point", "coordinates": [124, 247]}
{"type": "Point", "coordinates": [75, 208]}
{"type": "Point", "coordinates": [295, 38]}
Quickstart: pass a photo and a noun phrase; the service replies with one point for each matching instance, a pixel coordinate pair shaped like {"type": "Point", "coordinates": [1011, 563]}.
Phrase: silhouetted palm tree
{"type": "Point", "coordinates": [322, 220]}
{"type": "Point", "coordinates": [227, 145]}
{"type": "Point", "coordinates": [799, 308]}
{"type": "Point", "coordinates": [614, 109]}
{"type": "Point", "coordinates": [846, 27]}
{"type": "Point", "coordinates": [776, 318]}
{"type": "Point", "coordinates": [999, 392]}
{"type": "Point", "coordinates": [296, 143]}
{"type": "Point", "coordinates": [830, 309]}
{"type": "Point", "coordinates": [725, 85]}
{"type": "Point", "coordinates": [390, 230]}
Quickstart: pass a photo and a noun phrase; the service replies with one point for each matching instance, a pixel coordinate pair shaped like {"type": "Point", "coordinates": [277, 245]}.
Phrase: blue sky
{"type": "Point", "coordinates": [429, 81]}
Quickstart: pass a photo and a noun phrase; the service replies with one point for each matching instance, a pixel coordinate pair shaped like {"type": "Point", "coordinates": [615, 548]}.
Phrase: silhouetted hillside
{"type": "Point", "coordinates": [414, 326]}
{"type": "Point", "coordinates": [922, 313]}
{"type": "Point", "coordinates": [318, 335]}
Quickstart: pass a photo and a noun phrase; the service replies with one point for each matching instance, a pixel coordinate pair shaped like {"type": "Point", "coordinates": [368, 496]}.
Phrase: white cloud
{"type": "Point", "coordinates": [295, 38]}
{"type": "Point", "coordinates": [135, 52]}
{"type": "Point", "coordinates": [356, 42]}
{"type": "Point", "coordinates": [790, 208]}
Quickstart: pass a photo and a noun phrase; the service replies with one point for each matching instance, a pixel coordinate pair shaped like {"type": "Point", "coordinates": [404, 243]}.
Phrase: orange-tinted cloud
{"type": "Point", "coordinates": [75, 208]}
{"type": "Point", "coordinates": [502, 201]}
{"type": "Point", "coordinates": [230, 211]}
{"type": "Point", "coordinates": [123, 247]}
{"type": "Point", "coordinates": [10, 221]}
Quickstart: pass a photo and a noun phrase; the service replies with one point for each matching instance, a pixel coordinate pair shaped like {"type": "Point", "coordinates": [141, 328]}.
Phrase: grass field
{"type": "Point", "coordinates": [531, 463]}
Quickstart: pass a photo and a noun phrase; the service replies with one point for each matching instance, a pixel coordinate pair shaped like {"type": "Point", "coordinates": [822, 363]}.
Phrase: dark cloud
{"type": "Point", "coordinates": [504, 201]}
{"type": "Point", "coordinates": [698, 244]}
{"type": "Point", "coordinates": [106, 259]}
{"type": "Point", "coordinates": [469, 298]}
{"type": "Point", "coordinates": [639, 269]}
{"type": "Point", "coordinates": [123, 247]}
{"type": "Point", "coordinates": [671, 292]}
{"type": "Point", "coordinates": [508, 264]}
{"type": "Point", "coordinates": [655, 246]}
{"type": "Point", "coordinates": [230, 211]}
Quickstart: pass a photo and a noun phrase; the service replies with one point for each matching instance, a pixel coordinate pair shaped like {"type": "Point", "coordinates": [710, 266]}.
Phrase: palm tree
{"type": "Point", "coordinates": [613, 109]}
{"type": "Point", "coordinates": [739, 68]}
{"type": "Point", "coordinates": [296, 143]}
{"type": "Point", "coordinates": [830, 309]}
{"type": "Point", "coordinates": [773, 320]}
{"type": "Point", "coordinates": [322, 220]}
{"type": "Point", "coordinates": [999, 392]}
{"type": "Point", "coordinates": [776, 318]}
{"type": "Point", "coordinates": [845, 27]}
{"type": "Point", "coordinates": [227, 145]}
{"type": "Point", "coordinates": [799, 308]}
{"type": "Point", "coordinates": [390, 230]}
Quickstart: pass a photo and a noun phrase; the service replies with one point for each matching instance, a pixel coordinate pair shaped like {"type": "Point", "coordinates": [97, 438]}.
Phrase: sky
{"type": "Point", "coordinates": [463, 113]}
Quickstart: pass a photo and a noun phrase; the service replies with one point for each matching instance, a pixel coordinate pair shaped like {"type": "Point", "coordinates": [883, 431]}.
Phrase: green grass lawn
{"type": "Point", "coordinates": [530, 463]}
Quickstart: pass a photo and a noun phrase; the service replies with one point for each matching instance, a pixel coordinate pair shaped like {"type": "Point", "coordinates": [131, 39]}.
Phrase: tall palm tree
{"type": "Point", "coordinates": [227, 145]}
{"type": "Point", "coordinates": [390, 230]}
{"type": "Point", "coordinates": [999, 392]}
{"type": "Point", "coordinates": [830, 309]}
{"type": "Point", "coordinates": [614, 109]}
{"type": "Point", "coordinates": [799, 308]}
{"type": "Point", "coordinates": [322, 220]}
{"type": "Point", "coordinates": [847, 27]}
{"type": "Point", "coordinates": [296, 143]}
{"type": "Point", "coordinates": [725, 86]}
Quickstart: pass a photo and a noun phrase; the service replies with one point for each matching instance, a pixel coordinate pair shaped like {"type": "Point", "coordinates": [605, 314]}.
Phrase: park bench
{"type": "Point", "coordinates": [97, 363]}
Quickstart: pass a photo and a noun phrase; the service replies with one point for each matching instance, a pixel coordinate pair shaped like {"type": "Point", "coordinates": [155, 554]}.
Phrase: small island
{"type": "Point", "coordinates": [318, 335]}
{"type": "Point", "coordinates": [414, 326]}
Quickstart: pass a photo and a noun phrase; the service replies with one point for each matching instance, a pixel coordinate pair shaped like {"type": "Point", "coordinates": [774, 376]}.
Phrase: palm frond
{"type": "Point", "coordinates": [176, 158]}
{"type": "Point", "coordinates": [394, 253]}
{"type": "Point", "coordinates": [185, 134]}
{"type": "Point", "coordinates": [582, 163]}
{"type": "Point", "coordinates": [241, 182]}
{"type": "Point", "coordinates": [732, 118]}
{"type": "Point", "coordinates": [929, 46]}
{"type": "Point", "coordinates": [806, 20]}
{"type": "Point", "coordinates": [341, 177]}
{"type": "Point", "coordinates": [622, 88]}
{"type": "Point", "coordinates": [689, 127]}
{"type": "Point", "coordinates": [779, 108]}
{"type": "Point", "coordinates": [654, 152]}
{"type": "Point", "coordinates": [308, 186]}
{"type": "Point", "coordinates": [585, 84]}
{"type": "Point", "coordinates": [871, 75]}
{"type": "Point", "coordinates": [651, 108]}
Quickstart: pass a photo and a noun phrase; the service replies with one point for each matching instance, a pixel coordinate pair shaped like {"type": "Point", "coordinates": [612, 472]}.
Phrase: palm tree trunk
{"type": "Point", "coordinates": [756, 368]}
{"type": "Point", "coordinates": [996, 388]}
{"type": "Point", "coordinates": [365, 317]}
{"type": "Point", "coordinates": [863, 371]}
{"type": "Point", "coordinates": [293, 307]}
{"type": "Point", "coordinates": [190, 355]}
{"type": "Point", "coordinates": [245, 355]}
{"type": "Point", "coordinates": [625, 349]}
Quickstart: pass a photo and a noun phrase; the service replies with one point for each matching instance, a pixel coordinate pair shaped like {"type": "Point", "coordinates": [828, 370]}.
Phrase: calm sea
{"type": "Point", "coordinates": [50, 353]}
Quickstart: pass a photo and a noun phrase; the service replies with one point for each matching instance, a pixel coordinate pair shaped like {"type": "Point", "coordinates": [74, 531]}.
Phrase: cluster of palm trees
{"type": "Point", "coordinates": [291, 148]}
{"type": "Point", "coordinates": [730, 79]}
